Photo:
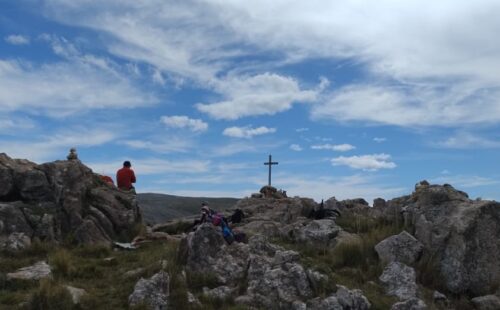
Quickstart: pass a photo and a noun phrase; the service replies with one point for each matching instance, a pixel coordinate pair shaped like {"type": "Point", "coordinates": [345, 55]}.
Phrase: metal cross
{"type": "Point", "coordinates": [270, 163]}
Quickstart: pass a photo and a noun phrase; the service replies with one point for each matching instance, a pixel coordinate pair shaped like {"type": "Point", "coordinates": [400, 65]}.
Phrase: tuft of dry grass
{"type": "Point", "coordinates": [51, 295]}
{"type": "Point", "coordinates": [61, 263]}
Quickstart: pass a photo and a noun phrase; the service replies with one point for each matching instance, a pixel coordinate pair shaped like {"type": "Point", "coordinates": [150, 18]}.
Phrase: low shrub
{"type": "Point", "coordinates": [61, 263]}
{"type": "Point", "coordinates": [51, 295]}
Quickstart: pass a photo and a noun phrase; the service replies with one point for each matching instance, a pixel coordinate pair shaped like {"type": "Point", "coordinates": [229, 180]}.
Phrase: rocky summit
{"type": "Point", "coordinates": [61, 201]}
{"type": "Point", "coordinates": [432, 249]}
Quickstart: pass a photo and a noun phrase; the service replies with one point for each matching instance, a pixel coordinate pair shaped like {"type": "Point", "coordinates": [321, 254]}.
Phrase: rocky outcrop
{"type": "Point", "coordinates": [402, 248]}
{"type": "Point", "coordinates": [461, 235]}
{"type": "Point", "coordinates": [153, 292]}
{"type": "Point", "coordinates": [274, 277]}
{"type": "Point", "coordinates": [62, 200]}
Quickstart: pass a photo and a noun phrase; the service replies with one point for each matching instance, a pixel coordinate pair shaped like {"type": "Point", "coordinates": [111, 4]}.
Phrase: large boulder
{"type": "Point", "coordinates": [62, 199]}
{"type": "Point", "coordinates": [462, 236]}
{"type": "Point", "coordinates": [340, 300]}
{"type": "Point", "coordinates": [317, 232]}
{"type": "Point", "coordinates": [402, 248]}
{"type": "Point", "coordinates": [153, 291]}
{"type": "Point", "coordinates": [205, 251]}
{"type": "Point", "coordinates": [399, 280]}
{"type": "Point", "coordinates": [488, 302]}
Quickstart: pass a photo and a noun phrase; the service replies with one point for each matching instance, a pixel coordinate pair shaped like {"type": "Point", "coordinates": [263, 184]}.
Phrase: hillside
{"type": "Point", "coordinates": [434, 248]}
{"type": "Point", "coordinates": [159, 208]}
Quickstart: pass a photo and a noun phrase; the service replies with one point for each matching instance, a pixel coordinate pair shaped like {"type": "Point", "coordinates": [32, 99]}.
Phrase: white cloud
{"type": "Point", "coordinates": [63, 88]}
{"type": "Point", "coordinates": [158, 77]}
{"type": "Point", "coordinates": [171, 145]}
{"type": "Point", "coordinates": [466, 140]}
{"type": "Point", "coordinates": [15, 123]}
{"type": "Point", "coordinates": [263, 94]}
{"type": "Point", "coordinates": [339, 147]}
{"type": "Point", "coordinates": [379, 140]}
{"type": "Point", "coordinates": [438, 105]}
{"type": "Point", "coordinates": [57, 145]}
{"type": "Point", "coordinates": [445, 59]}
{"type": "Point", "coordinates": [16, 39]}
{"type": "Point", "coordinates": [365, 162]}
{"type": "Point", "coordinates": [295, 147]}
{"type": "Point", "coordinates": [181, 121]}
{"type": "Point", "coordinates": [247, 132]}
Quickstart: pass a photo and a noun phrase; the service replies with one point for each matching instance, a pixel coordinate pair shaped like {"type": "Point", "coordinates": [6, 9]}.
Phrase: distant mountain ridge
{"type": "Point", "coordinates": [159, 208]}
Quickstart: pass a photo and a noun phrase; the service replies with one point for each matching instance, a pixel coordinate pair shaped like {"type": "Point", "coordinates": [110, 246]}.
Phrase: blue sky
{"type": "Point", "coordinates": [352, 98]}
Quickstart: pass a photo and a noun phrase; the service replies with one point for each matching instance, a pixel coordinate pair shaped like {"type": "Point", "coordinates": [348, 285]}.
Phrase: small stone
{"type": "Point", "coordinates": [37, 271]}
{"type": "Point", "coordinates": [76, 293]}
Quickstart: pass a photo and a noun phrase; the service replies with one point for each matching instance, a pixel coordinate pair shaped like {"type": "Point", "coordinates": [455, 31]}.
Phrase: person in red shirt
{"type": "Point", "coordinates": [125, 177]}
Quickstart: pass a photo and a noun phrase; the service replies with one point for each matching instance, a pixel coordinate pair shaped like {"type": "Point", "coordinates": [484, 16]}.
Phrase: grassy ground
{"type": "Point", "coordinates": [101, 272]}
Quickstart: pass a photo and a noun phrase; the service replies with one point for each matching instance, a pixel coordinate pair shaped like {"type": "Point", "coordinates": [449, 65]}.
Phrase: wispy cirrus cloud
{"type": "Point", "coordinates": [295, 147]}
{"type": "Point", "coordinates": [468, 140]}
{"type": "Point", "coordinates": [422, 75]}
{"type": "Point", "coordinates": [182, 121]}
{"type": "Point", "coordinates": [247, 132]}
{"type": "Point", "coordinates": [65, 88]}
{"type": "Point", "coordinates": [17, 39]}
{"type": "Point", "coordinates": [57, 144]}
{"type": "Point", "coordinates": [365, 162]}
{"type": "Point", "coordinates": [334, 147]}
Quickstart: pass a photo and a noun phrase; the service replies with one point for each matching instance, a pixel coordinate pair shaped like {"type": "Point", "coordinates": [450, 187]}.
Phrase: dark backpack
{"type": "Point", "coordinates": [237, 216]}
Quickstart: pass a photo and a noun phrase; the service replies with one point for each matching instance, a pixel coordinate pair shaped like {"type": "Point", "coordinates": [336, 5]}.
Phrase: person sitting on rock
{"type": "Point", "coordinates": [125, 177]}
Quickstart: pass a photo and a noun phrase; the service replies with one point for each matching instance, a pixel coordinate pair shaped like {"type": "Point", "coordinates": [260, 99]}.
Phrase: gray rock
{"type": "Point", "coordinates": [267, 228]}
{"type": "Point", "coordinates": [37, 271]}
{"type": "Point", "coordinates": [206, 251]}
{"type": "Point", "coordinates": [13, 219]}
{"type": "Point", "coordinates": [461, 235]}
{"type": "Point", "coordinates": [299, 305]}
{"type": "Point", "coordinates": [134, 273]}
{"type": "Point", "coordinates": [153, 291]}
{"type": "Point", "coordinates": [221, 292]}
{"type": "Point", "coordinates": [352, 299]}
{"type": "Point", "coordinates": [318, 232]}
{"type": "Point", "coordinates": [329, 303]}
{"type": "Point", "coordinates": [402, 248]}
{"type": "Point", "coordinates": [379, 203]}
{"type": "Point", "coordinates": [316, 279]}
{"type": "Point", "coordinates": [61, 198]}
{"type": "Point", "coordinates": [488, 302]}
{"type": "Point", "coordinates": [410, 304]}
{"type": "Point", "coordinates": [438, 296]}
{"type": "Point", "coordinates": [76, 293]}
{"type": "Point", "coordinates": [399, 280]}
{"type": "Point", "coordinates": [192, 300]}
{"type": "Point", "coordinates": [15, 242]}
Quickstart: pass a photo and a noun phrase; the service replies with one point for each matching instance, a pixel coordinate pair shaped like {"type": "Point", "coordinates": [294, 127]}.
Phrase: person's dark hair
{"type": "Point", "coordinates": [127, 164]}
